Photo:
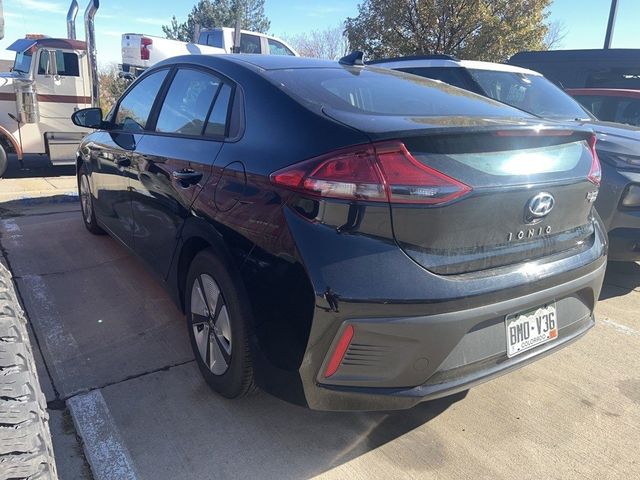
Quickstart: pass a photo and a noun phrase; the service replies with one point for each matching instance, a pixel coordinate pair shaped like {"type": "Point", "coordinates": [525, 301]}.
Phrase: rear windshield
{"type": "Point", "coordinates": [531, 93]}
{"type": "Point", "coordinates": [384, 92]}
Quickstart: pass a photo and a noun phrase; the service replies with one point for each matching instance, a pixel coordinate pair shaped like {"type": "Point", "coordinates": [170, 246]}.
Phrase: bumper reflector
{"type": "Point", "coordinates": [631, 198]}
{"type": "Point", "coordinates": [340, 350]}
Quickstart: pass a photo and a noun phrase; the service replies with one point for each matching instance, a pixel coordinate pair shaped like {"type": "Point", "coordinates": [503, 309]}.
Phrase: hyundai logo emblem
{"type": "Point", "coordinates": [539, 206]}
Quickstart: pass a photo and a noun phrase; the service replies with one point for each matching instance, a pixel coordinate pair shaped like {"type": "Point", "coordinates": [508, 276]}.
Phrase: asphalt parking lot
{"type": "Point", "coordinates": [121, 381]}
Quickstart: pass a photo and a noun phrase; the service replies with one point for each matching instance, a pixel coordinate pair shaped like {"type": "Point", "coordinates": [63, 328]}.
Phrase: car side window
{"type": "Point", "coordinates": [67, 64]}
{"type": "Point", "coordinates": [134, 109]}
{"type": "Point", "coordinates": [217, 124]}
{"type": "Point", "coordinates": [215, 39]}
{"type": "Point", "coordinates": [187, 103]}
{"type": "Point", "coordinates": [452, 75]}
{"type": "Point", "coordinates": [628, 111]}
{"type": "Point", "coordinates": [249, 43]}
{"type": "Point", "coordinates": [277, 48]}
{"type": "Point", "coordinates": [44, 67]}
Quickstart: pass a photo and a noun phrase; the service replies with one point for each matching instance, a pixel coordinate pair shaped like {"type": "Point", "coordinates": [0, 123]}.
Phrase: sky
{"type": "Point", "coordinates": [584, 21]}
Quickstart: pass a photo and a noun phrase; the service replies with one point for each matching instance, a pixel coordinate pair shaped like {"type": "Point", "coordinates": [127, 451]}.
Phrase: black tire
{"type": "Point", "coordinates": [25, 441]}
{"type": "Point", "coordinates": [86, 209]}
{"type": "Point", "coordinates": [238, 379]}
{"type": "Point", "coordinates": [4, 161]}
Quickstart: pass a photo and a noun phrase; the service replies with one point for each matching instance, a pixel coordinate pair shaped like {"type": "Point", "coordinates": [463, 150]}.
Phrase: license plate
{"type": "Point", "coordinates": [529, 329]}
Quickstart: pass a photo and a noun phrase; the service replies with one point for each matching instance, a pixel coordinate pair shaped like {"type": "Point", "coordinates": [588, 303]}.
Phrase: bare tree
{"type": "Point", "coordinates": [111, 86]}
{"type": "Point", "coordinates": [330, 43]}
{"type": "Point", "coordinates": [555, 35]}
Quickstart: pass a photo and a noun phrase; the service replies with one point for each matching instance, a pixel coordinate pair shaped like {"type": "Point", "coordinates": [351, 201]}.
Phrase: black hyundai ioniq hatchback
{"type": "Point", "coordinates": [344, 236]}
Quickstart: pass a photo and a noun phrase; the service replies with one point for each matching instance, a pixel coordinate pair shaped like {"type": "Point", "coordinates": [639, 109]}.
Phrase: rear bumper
{"type": "Point", "coordinates": [624, 244]}
{"type": "Point", "coordinates": [417, 335]}
{"type": "Point", "coordinates": [622, 223]}
{"type": "Point", "coordinates": [450, 352]}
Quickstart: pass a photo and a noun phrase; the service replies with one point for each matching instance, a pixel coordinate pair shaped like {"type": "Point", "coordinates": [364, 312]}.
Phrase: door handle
{"type": "Point", "coordinates": [187, 176]}
{"type": "Point", "coordinates": [123, 161]}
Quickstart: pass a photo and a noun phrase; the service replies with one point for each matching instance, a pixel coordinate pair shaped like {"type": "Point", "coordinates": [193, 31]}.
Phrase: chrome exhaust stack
{"type": "Point", "coordinates": [90, 33]}
{"type": "Point", "coordinates": [71, 20]}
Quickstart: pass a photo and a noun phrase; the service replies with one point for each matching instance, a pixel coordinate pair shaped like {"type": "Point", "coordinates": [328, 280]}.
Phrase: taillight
{"type": "Point", "coordinates": [145, 43]}
{"type": "Point", "coordinates": [380, 172]}
{"type": "Point", "coordinates": [595, 172]}
{"type": "Point", "coordinates": [338, 354]}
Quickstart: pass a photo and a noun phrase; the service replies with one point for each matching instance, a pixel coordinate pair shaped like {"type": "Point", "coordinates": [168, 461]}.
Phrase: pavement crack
{"type": "Point", "coordinates": [126, 379]}
{"type": "Point", "coordinates": [71, 270]}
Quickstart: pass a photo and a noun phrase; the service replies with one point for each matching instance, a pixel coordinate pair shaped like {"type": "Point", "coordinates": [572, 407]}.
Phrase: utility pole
{"type": "Point", "coordinates": [612, 21]}
{"type": "Point", "coordinates": [1, 21]}
{"type": "Point", "coordinates": [236, 33]}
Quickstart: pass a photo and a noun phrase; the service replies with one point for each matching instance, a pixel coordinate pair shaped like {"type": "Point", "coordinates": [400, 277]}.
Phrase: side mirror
{"type": "Point", "coordinates": [88, 118]}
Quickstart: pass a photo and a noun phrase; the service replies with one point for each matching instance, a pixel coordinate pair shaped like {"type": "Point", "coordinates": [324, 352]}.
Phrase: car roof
{"type": "Point", "coordinates": [430, 61]}
{"type": "Point", "coordinates": [606, 92]}
{"type": "Point", "coordinates": [580, 55]}
{"type": "Point", "coordinates": [277, 62]}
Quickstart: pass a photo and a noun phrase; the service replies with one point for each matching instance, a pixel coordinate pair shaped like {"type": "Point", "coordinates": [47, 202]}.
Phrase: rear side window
{"type": "Point", "coordinates": [455, 76]}
{"type": "Point", "coordinates": [188, 101]}
{"type": "Point", "coordinates": [531, 93]}
{"type": "Point", "coordinates": [217, 124]}
{"type": "Point", "coordinates": [249, 43]}
{"type": "Point", "coordinates": [214, 39]}
{"type": "Point", "coordinates": [133, 111]}
{"type": "Point", "coordinates": [384, 92]}
{"type": "Point", "coordinates": [277, 48]}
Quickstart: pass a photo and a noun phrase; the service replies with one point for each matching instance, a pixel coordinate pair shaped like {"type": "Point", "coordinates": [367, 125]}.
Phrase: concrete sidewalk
{"type": "Point", "coordinates": [37, 189]}
{"type": "Point", "coordinates": [118, 354]}
{"type": "Point", "coordinates": [115, 352]}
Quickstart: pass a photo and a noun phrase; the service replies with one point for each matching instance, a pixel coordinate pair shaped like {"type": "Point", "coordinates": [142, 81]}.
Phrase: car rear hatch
{"type": "Point", "coordinates": [470, 198]}
{"type": "Point", "coordinates": [508, 196]}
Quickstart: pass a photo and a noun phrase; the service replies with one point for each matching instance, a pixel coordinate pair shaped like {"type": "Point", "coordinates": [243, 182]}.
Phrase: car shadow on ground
{"type": "Point", "coordinates": [620, 279]}
{"type": "Point", "coordinates": [190, 431]}
{"type": "Point", "coordinates": [34, 166]}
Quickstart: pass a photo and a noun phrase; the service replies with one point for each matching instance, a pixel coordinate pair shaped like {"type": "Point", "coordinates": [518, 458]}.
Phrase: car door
{"type": "Point", "coordinates": [61, 89]}
{"type": "Point", "coordinates": [176, 159]}
{"type": "Point", "coordinates": [111, 154]}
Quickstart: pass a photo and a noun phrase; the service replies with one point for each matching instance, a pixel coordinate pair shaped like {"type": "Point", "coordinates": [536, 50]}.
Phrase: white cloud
{"type": "Point", "coordinates": [43, 6]}
{"type": "Point", "coordinates": [321, 11]}
{"type": "Point", "coordinates": [153, 21]}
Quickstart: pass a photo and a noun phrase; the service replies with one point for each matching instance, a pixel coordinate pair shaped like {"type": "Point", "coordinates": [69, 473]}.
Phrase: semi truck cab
{"type": "Point", "coordinates": [48, 82]}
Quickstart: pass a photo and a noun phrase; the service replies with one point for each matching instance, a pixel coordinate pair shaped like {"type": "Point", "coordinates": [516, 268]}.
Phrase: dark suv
{"type": "Point", "coordinates": [618, 146]}
{"type": "Point", "coordinates": [347, 237]}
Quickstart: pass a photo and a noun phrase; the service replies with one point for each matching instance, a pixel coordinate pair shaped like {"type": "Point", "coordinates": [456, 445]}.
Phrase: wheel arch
{"type": "Point", "coordinates": [198, 235]}
{"type": "Point", "coordinates": [8, 140]}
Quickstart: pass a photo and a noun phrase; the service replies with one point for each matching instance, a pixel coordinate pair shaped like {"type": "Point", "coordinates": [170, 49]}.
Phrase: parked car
{"type": "Point", "coordinates": [595, 68]}
{"type": "Point", "coordinates": [140, 51]}
{"type": "Point", "coordinates": [347, 237]}
{"type": "Point", "coordinates": [618, 145]}
{"type": "Point", "coordinates": [609, 104]}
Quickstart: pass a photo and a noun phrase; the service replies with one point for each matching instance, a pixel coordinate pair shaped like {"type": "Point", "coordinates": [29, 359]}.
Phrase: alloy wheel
{"type": "Point", "coordinates": [85, 198]}
{"type": "Point", "coordinates": [209, 318]}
